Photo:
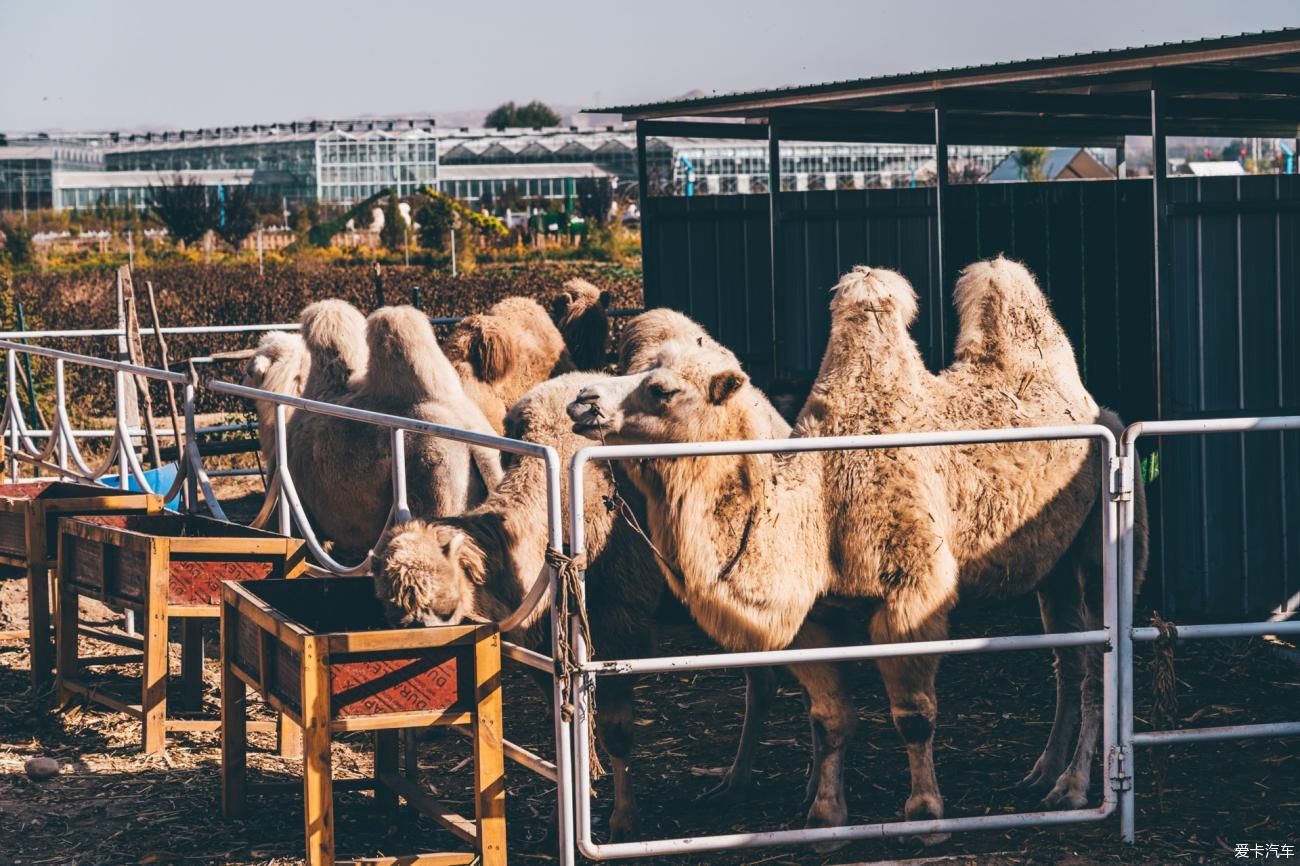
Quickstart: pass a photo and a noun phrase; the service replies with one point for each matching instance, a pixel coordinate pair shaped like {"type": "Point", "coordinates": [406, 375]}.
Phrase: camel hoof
{"type": "Point", "coordinates": [623, 826]}
{"type": "Point", "coordinates": [825, 813]}
{"type": "Point", "coordinates": [1041, 777]}
{"type": "Point", "coordinates": [1070, 792]}
{"type": "Point", "coordinates": [926, 807]}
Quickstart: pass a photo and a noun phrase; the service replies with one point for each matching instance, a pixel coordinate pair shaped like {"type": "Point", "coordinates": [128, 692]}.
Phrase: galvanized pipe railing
{"type": "Point", "coordinates": [62, 455]}
{"type": "Point", "coordinates": [583, 683]}
{"type": "Point", "coordinates": [1128, 634]}
{"type": "Point", "coordinates": [283, 496]}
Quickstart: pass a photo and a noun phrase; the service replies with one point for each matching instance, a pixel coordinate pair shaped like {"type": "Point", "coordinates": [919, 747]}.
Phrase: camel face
{"type": "Point", "coordinates": [684, 397]}
{"type": "Point", "coordinates": [428, 575]}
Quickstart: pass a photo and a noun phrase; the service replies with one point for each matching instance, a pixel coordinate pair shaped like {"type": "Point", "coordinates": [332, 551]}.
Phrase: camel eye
{"type": "Point", "coordinates": [659, 392]}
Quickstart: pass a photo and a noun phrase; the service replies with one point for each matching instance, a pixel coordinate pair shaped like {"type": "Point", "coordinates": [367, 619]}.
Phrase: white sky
{"type": "Point", "coordinates": [84, 64]}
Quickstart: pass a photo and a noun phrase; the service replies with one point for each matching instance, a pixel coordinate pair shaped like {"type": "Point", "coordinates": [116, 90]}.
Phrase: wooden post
{"type": "Point", "coordinates": [234, 725]}
{"type": "Point", "coordinates": [385, 762]}
{"type": "Point", "coordinates": [489, 757]}
{"type": "Point", "coordinates": [41, 636]}
{"type": "Point", "coordinates": [135, 351]}
{"type": "Point", "coordinates": [153, 692]}
{"type": "Point", "coordinates": [66, 635]}
{"type": "Point", "coordinates": [192, 662]}
{"type": "Point", "coordinates": [317, 778]}
{"type": "Point", "coordinates": [166, 365]}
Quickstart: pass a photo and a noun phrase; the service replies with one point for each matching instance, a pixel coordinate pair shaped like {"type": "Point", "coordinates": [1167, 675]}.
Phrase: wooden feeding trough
{"type": "Point", "coordinates": [321, 653]}
{"type": "Point", "coordinates": [164, 566]}
{"type": "Point", "coordinates": [29, 522]}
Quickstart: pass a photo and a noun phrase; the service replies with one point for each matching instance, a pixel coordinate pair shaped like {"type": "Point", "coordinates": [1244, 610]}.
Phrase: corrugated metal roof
{"type": "Point", "coordinates": [1167, 52]}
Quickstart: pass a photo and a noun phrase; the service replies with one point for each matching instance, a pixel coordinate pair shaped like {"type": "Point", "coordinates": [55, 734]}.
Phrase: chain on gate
{"type": "Point", "coordinates": [568, 568]}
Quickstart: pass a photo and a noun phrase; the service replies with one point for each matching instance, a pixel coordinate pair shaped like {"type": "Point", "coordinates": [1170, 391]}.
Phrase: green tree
{"type": "Point", "coordinates": [393, 234]}
{"type": "Point", "coordinates": [534, 114]}
{"type": "Point", "coordinates": [1030, 160]}
{"type": "Point", "coordinates": [436, 217]}
{"type": "Point", "coordinates": [240, 218]}
{"type": "Point", "coordinates": [183, 208]}
{"type": "Point", "coordinates": [595, 199]}
{"type": "Point", "coordinates": [18, 243]}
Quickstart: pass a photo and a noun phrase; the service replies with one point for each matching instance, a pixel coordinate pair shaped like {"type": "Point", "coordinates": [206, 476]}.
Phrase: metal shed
{"type": "Point", "coordinates": [1182, 295]}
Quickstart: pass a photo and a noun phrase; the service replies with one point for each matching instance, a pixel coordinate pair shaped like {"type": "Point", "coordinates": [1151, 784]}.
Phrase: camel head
{"type": "Point", "coordinates": [579, 311]}
{"type": "Point", "coordinates": [690, 393]}
{"type": "Point", "coordinates": [277, 364]}
{"type": "Point", "coordinates": [427, 574]}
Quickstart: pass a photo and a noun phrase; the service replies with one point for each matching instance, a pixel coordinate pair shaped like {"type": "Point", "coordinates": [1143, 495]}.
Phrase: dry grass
{"type": "Point", "coordinates": [112, 805]}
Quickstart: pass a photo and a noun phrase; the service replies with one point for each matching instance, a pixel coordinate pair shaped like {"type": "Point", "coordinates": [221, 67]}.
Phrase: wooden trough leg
{"type": "Point", "coordinates": [192, 663]}
{"type": "Point", "coordinates": [38, 602]}
{"type": "Point", "coordinates": [234, 728]}
{"type": "Point", "coordinates": [489, 757]}
{"type": "Point", "coordinates": [317, 778]}
{"type": "Point", "coordinates": [288, 738]}
{"type": "Point", "coordinates": [385, 762]}
{"type": "Point", "coordinates": [67, 639]}
{"type": "Point", "coordinates": [153, 700]}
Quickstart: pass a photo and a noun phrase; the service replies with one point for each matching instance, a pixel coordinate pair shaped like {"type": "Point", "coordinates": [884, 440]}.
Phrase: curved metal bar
{"type": "Point", "coordinates": [91, 361]}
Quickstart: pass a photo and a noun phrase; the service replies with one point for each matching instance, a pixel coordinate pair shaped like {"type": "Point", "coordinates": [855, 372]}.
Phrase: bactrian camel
{"type": "Point", "coordinates": [758, 539]}
{"type": "Point", "coordinates": [502, 353]}
{"type": "Point", "coordinates": [343, 469]}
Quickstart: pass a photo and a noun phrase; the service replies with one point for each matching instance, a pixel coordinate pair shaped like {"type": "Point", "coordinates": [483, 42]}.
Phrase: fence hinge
{"type": "Point", "coordinates": [1121, 479]}
{"type": "Point", "coordinates": [1121, 778]}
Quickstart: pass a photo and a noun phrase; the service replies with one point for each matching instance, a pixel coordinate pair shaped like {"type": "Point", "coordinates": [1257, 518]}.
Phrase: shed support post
{"type": "Point", "coordinates": [774, 228]}
{"type": "Point", "coordinates": [1160, 233]}
{"type": "Point", "coordinates": [1120, 168]}
{"type": "Point", "coordinates": [643, 199]}
{"type": "Point", "coordinates": [937, 341]}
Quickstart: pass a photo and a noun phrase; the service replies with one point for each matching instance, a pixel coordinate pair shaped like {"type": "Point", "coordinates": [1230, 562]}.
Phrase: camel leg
{"type": "Point", "coordinates": [1071, 789]}
{"type": "Point", "coordinates": [833, 720]}
{"type": "Point", "coordinates": [814, 737]}
{"type": "Point", "coordinates": [910, 684]}
{"type": "Point", "coordinates": [1061, 606]}
{"type": "Point", "coordinates": [615, 716]}
{"type": "Point", "coordinates": [760, 690]}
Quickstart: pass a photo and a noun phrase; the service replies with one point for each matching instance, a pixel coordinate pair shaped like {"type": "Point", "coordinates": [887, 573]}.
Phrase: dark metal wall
{"type": "Point", "coordinates": [1226, 510]}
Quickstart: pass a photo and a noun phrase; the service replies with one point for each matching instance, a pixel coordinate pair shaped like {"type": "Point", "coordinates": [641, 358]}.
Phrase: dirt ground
{"type": "Point", "coordinates": [111, 805]}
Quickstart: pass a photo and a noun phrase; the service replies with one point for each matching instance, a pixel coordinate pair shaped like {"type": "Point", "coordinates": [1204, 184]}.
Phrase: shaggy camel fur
{"type": "Point", "coordinates": [335, 334]}
{"type": "Point", "coordinates": [480, 565]}
{"type": "Point", "coordinates": [758, 539]}
{"type": "Point", "coordinates": [343, 469]}
{"type": "Point", "coordinates": [579, 310]}
{"type": "Point", "coordinates": [502, 353]}
{"type": "Point", "coordinates": [280, 364]}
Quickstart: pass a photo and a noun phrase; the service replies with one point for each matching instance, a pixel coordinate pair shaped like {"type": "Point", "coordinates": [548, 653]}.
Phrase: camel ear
{"type": "Point", "coordinates": [466, 554]}
{"type": "Point", "coordinates": [488, 352]}
{"type": "Point", "coordinates": [560, 304]}
{"type": "Point", "coordinates": [724, 385]}
{"type": "Point", "coordinates": [606, 298]}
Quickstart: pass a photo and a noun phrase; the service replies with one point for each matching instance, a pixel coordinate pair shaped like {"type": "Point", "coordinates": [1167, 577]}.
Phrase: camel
{"type": "Point", "coordinates": [279, 364]}
{"type": "Point", "coordinates": [334, 332]}
{"type": "Point", "coordinates": [758, 539]}
{"type": "Point", "coordinates": [502, 353]}
{"type": "Point", "coordinates": [579, 310]}
{"type": "Point", "coordinates": [480, 565]}
{"type": "Point", "coordinates": [342, 469]}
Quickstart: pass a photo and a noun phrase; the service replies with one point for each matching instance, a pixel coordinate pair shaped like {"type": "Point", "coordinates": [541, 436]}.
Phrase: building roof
{"type": "Point", "coordinates": [1058, 163]}
{"type": "Point", "coordinates": [1216, 168]}
{"type": "Point", "coordinates": [129, 179]}
{"type": "Point", "coordinates": [1100, 95]}
{"type": "Point", "coordinates": [522, 171]}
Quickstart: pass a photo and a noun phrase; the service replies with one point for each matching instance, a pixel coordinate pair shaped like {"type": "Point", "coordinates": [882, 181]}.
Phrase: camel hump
{"type": "Point", "coordinates": [878, 291]}
{"type": "Point", "coordinates": [1004, 318]}
{"type": "Point", "coordinates": [488, 347]}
